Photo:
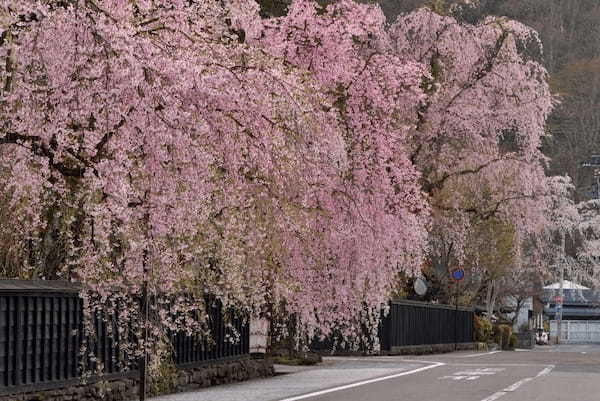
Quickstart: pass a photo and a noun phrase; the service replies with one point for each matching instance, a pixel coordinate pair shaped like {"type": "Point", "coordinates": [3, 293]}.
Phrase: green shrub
{"type": "Point", "coordinates": [163, 379]}
{"type": "Point", "coordinates": [482, 328]}
{"type": "Point", "coordinates": [512, 342]}
{"type": "Point", "coordinates": [497, 335]}
{"type": "Point", "coordinates": [501, 335]}
{"type": "Point", "coordinates": [506, 332]}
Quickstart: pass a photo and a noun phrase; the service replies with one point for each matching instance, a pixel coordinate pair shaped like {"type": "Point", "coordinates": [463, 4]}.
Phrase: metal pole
{"type": "Point", "coordinates": [456, 317]}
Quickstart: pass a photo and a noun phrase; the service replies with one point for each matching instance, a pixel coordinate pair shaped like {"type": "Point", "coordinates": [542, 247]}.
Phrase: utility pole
{"type": "Point", "coordinates": [559, 304]}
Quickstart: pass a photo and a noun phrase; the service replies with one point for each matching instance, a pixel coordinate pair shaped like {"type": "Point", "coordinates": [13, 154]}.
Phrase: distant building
{"type": "Point", "coordinates": [580, 312]}
{"type": "Point", "coordinates": [580, 303]}
{"type": "Point", "coordinates": [567, 285]}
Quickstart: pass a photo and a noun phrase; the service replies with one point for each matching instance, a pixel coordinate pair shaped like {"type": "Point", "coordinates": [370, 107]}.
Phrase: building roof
{"type": "Point", "coordinates": [46, 286]}
{"type": "Point", "coordinates": [573, 297]}
{"type": "Point", "coordinates": [574, 312]}
{"type": "Point", "coordinates": [567, 285]}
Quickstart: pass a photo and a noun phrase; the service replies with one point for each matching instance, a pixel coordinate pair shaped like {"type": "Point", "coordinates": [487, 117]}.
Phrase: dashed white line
{"type": "Point", "coordinates": [362, 383]}
{"type": "Point", "coordinates": [518, 384]}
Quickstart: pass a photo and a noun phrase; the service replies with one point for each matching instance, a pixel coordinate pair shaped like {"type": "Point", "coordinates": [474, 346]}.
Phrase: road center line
{"type": "Point", "coordinates": [362, 383]}
{"type": "Point", "coordinates": [480, 354]}
{"type": "Point", "coordinates": [518, 384]}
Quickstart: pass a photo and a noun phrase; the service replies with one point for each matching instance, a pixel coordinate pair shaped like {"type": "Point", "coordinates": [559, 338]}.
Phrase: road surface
{"type": "Point", "coordinates": [549, 373]}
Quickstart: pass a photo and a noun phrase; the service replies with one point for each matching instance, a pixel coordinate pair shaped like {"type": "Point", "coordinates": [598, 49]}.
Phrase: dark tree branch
{"type": "Point", "coordinates": [39, 149]}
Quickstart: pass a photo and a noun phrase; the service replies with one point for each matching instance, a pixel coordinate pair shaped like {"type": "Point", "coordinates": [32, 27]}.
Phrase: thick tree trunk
{"type": "Point", "coordinates": [51, 252]}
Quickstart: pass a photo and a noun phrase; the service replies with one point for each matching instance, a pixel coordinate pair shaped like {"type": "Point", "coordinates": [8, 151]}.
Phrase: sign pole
{"type": "Point", "coordinates": [456, 317]}
{"type": "Point", "coordinates": [457, 275]}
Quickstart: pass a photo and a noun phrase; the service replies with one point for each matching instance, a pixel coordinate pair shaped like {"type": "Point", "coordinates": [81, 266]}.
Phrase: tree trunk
{"type": "Point", "coordinates": [490, 298]}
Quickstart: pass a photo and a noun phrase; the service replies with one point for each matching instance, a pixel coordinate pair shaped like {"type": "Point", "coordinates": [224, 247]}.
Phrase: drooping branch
{"type": "Point", "coordinates": [38, 148]}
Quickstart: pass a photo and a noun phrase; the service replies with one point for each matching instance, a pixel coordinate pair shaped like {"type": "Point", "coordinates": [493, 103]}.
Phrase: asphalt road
{"type": "Point", "coordinates": [549, 373]}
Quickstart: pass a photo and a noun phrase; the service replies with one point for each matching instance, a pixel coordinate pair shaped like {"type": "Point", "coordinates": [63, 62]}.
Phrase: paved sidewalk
{"type": "Point", "coordinates": [292, 381]}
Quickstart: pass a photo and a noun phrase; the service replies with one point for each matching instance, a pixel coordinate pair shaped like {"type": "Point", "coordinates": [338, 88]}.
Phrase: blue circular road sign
{"type": "Point", "coordinates": [458, 274]}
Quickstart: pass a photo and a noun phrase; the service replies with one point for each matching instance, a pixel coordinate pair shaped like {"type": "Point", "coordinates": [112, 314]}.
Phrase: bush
{"type": "Point", "coordinates": [512, 342]}
{"type": "Point", "coordinates": [300, 359]}
{"type": "Point", "coordinates": [502, 333]}
{"type": "Point", "coordinates": [482, 328]}
{"type": "Point", "coordinates": [497, 335]}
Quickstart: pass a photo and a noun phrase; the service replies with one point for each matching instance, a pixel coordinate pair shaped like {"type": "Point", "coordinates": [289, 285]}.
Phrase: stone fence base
{"type": "Point", "coordinates": [123, 389]}
{"type": "Point", "coordinates": [411, 350]}
{"type": "Point", "coordinates": [434, 348]}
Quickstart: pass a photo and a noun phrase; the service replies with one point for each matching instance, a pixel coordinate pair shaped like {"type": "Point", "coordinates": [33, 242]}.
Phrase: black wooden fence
{"type": "Point", "coordinates": [409, 323]}
{"type": "Point", "coordinates": [41, 333]}
{"type": "Point", "coordinates": [418, 323]}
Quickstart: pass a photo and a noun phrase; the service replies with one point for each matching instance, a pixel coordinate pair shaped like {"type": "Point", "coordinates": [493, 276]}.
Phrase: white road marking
{"type": "Point", "coordinates": [420, 361]}
{"type": "Point", "coordinates": [547, 370]}
{"type": "Point", "coordinates": [484, 371]}
{"type": "Point", "coordinates": [494, 396]}
{"type": "Point", "coordinates": [480, 354]}
{"type": "Point", "coordinates": [362, 383]}
{"type": "Point", "coordinates": [472, 374]}
{"type": "Point", "coordinates": [516, 385]}
{"type": "Point", "coordinates": [527, 365]}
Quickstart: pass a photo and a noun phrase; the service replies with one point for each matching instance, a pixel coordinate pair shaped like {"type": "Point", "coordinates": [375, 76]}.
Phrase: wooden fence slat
{"type": "Point", "coordinates": [68, 348]}
{"type": "Point", "coordinates": [105, 337]}
{"type": "Point", "coordinates": [60, 340]}
{"type": "Point", "coordinates": [23, 339]}
{"type": "Point", "coordinates": [18, 341]}
{"type": "Point", "coordinates": [79, 339]}
{"type": "Point", "coordinates": [7, 344]}
{"type": "Point", "coordinates": [35, 373]}
{"type": "Point", "coordinates": [44, 338]}
{"type": "Point", "coordinates": [8, 378]}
